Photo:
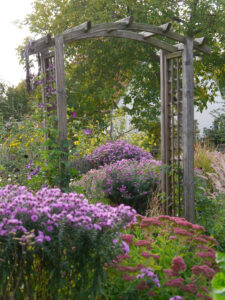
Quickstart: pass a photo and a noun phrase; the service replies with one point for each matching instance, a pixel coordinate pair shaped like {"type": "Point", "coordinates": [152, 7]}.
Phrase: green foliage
{"type": "Point", "coordinates": [14, 101]}
{"type": "Point", "coordinates": [218, 282]}
{"type": "Point", "coordinates": [101, 71]}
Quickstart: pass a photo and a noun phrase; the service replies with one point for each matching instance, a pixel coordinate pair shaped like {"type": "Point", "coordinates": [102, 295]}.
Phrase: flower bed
{"type": "Point", "coordinates": [168, 258]}
{"type": "Point", "coordinates": [54, 244]}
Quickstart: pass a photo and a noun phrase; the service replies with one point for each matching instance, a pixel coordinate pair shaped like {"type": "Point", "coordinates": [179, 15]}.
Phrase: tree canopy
{"type": "Point", "coordinates": [102, 70]}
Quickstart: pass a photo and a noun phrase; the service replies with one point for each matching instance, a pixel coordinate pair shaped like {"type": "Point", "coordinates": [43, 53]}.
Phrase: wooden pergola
{"type": "Point", "coordinates": [177, 106]}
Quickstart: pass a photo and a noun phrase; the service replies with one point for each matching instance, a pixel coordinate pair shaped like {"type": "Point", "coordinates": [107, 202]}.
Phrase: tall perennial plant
{"type": "Point", "coordinates": [54, 245]}
{"type": "Point", "coordinates": [168, 258]}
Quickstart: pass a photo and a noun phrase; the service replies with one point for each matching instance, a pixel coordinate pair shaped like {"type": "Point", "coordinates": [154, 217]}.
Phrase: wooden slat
{"type": "Point", "coordinates": [60, 88]}
{"type": "Point", "coordinates": [179, 127]}
{"type": "Point", "coordinates": [174, 54]}
{"type": "Point", "coordinates": [163, 125]}
{"type": "Point", "coordinates": [188, 130]}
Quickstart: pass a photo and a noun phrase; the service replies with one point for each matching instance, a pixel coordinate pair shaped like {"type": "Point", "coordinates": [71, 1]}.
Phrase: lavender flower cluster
{"type": "Point", "coordinates": [21, 211]}
{"type": "Point", "coordinates": [114, 151]}
{"type": "Point", "coordinates": [131, 182]}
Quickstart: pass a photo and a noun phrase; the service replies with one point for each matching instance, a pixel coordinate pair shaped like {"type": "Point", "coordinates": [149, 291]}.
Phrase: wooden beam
{"type": "Point", "coordinates": [198, 45]}
{"type": "Point", "coordinates": [188, 130]}
{"type": "Point", "coordinates": [128, 35]}
{"type": "Point", "coordinates": [85, 29]}
{"type": "Point", "coordinates": [126, 21]}
{"type": "Point", "coordinates": [164, 27]}
{"type": "Point", "coordinates": [61, 97]}
{"type": "Point", "coordinates": [174, 54]}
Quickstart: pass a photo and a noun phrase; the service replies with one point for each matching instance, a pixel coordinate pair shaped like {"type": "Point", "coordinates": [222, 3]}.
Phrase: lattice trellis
{"type": "Point", "coordinates": [172, 131]}
{"type": "Point", "coordinates": [177, 121]}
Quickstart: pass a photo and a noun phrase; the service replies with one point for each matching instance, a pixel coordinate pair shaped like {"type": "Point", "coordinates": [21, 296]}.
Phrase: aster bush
{"type": "Point", "coordinates": [132, 182]}
{"type": "Point", "coordinates": [54, 245]}
{"type": "Point", "coordinates": [168, 258]}
{"type": "Point", "coordinates": [114, 151]}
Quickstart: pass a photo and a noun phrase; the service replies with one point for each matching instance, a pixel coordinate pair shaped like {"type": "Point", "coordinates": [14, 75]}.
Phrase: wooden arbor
{"type": "Point", "coordinates": [177, 113]}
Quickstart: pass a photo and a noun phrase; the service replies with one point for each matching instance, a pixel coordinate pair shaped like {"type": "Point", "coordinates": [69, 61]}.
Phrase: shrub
{"type": "Point", "coordinates": [54, 245]}
{"type": "Point", "coordinates": [91, 184]}
{"type": "Point", "coordinates": [131, 182]}
{"type": "Point", "coordinates": [168, 258]}
{"type": "Point", "coordinates": [114, 151]}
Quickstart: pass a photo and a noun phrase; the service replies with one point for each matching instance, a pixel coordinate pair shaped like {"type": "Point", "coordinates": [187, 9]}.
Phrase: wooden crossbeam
{"type": "Point", "coordinates": [164, 27]}
{"type": "Point", "coordinates": [126, 21]}
{"type": "Point", "coordinates": [129, 35]}
{"type": "Point", "coordinates": [85, 30]}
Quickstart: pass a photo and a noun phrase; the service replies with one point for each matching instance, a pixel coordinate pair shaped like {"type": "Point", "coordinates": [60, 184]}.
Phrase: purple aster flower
{"type": "Point", "coordinates": [87, 131]}
{"type": "Point", "coordinates": [74, 114]}
{"type": "Point", "coordinates": [34, 218]}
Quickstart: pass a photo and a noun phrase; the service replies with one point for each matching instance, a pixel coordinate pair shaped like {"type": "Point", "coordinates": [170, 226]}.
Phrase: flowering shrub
{"type": "Point", "coordinates": [53, 244]}
{"type": "Point", "coordinates": [91, 183]}
{"type": "Point", "coordinates": [114, 151]}
{"type": "Point", "coordinates": [168, 258]}
{"type": "Point", "coordinates": [131, 182]}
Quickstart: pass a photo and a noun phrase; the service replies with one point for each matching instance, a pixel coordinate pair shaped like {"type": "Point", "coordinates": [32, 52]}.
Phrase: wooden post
{"type": "Point", "coordinates": [188, 130]}
{"type": "Point", "coordinates": [61, 99]}
{"type": "Point", "coordinates": [163, 83]}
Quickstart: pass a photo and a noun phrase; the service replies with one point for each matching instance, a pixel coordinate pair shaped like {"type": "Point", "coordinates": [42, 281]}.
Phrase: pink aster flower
{"type": "Point", "coordinates": [142, 286]}
{"type": "Point", "coordinates": [177, 282]}
{"type": "Point", "coordinates": [142, 243]}
{"type": "Point", "coordinates": [178, 265]}
{"type": "Point", "coordinates": [204, 270]}
{"type": "Point", "coordinates": [190, 288]}
{"type": "Point", "coordinates": [145, 254]}
{"type": "Point", "coordinates": [208, 254]}
{"type": "Point", "coordinates": [128, 238]}
{"type": "Point", "coordinates": [151, 293]}
{"type": "Point", "coordinates": [181, 231]}
{"type": "Point", "coordinates": [128, 277]}
{"type": "Point", "coordinates": [176, 298]}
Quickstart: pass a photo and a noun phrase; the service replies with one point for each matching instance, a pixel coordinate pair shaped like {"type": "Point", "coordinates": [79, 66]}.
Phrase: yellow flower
{"type": "Point", "coordinates": [76, 143]}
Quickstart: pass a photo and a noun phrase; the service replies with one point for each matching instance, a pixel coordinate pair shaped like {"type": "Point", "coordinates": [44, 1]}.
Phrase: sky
{"type": "Point", "coordinates": [11, 37]}
{"type": "Point", "coordinates": [12, 72]}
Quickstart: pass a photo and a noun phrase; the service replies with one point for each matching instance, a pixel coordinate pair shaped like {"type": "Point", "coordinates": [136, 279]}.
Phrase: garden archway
{"type": "Point", "coordinates": [177, 107]}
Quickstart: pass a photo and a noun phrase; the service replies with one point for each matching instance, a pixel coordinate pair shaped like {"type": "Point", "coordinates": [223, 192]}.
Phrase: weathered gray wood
{"type": "Point", "coordinates": [82, 31]}
{"type": "Point", "coordinates": [188, 130]}
{"type": "Point", "coordinates": [127, 21]}
{"type": "Point", "coordinates": [60, 88]}
{"type": "Point", "coordinates": [43, 70]}
{"type": "Point", "coordinates": [128, 35]}
{"type": "Point", "coordinates": [165, 130]}
{"type": "Point", "coordinates": [200, 41]}
{"type": "Point", "coordinates": [164, 27]}
{"type": "Point", "coordinates": [197, 45]}
{"type": "Point", "coordinates": [174, 54]}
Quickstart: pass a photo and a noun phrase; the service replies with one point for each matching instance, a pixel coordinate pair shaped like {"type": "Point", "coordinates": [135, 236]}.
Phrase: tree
{"type": "Point", "coordinates": [14, 101]}
{"type": "Point", "coordinates": [100, 71]}
{"type": "Point", "coordinates": [216, 133]}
